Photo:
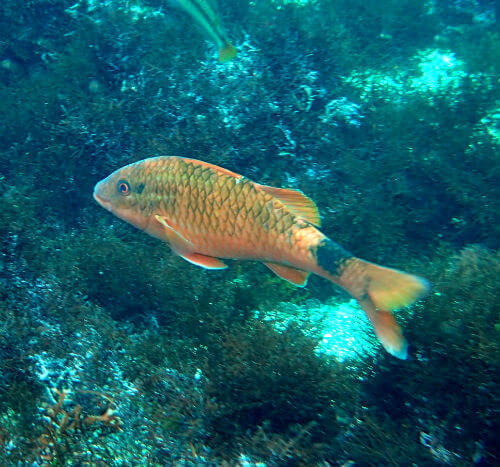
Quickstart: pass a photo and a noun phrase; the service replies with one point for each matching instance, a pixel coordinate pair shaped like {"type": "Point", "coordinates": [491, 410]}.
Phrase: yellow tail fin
{"type": "Point", "coordinates": [226, 53]}
{"type": "Point", "coordinates": [380, 290]}
{"type": "Point", "coordinates": [390, 289]}
{"type": "Point", "coordinates": [387, 329]}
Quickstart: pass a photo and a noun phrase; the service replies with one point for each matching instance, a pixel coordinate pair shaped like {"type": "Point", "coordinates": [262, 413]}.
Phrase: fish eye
{"type": "Point", "coordinates": [123, 187]}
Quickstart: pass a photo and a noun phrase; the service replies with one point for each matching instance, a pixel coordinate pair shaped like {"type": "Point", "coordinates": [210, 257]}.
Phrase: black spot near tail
{"type": "Point", "coordinates": [332, 257]}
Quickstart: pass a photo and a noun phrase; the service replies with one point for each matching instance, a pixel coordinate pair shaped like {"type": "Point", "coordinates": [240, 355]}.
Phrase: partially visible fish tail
{"type": "Point", "coordinates": [379, 290]}
{"type": "Point", "coordinates": [386, 329]}
{"type": "Point", "coordinates": [390, 289]}
{"type": "Point", "coordinates": [227, 52]}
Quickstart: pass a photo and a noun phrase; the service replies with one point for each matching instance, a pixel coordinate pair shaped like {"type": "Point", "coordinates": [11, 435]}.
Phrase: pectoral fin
{"type": "Point", "coordinates": [295, 276]}
{"type": "Point", "coordinates": [176, 240]}
{"type": "Point", "coordinates": [207, 262]}
{"type": "Point", "coordinates": [184, 248]}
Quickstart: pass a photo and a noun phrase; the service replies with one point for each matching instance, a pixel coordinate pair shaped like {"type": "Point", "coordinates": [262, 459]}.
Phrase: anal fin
{"type": "Point", "coordinates": [295, 276]}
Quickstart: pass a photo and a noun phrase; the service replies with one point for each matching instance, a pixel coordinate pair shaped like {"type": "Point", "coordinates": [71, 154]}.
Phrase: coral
{"type": "Point", "coordinates": [61, 434]}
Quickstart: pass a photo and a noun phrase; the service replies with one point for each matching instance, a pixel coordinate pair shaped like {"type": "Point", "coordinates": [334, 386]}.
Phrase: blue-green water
{"type": "Point", "coordinates": [115, 351]}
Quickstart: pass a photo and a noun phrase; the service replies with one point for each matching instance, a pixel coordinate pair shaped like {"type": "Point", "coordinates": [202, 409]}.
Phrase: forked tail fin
{"type": "Point", "coordinates": [386, 328]}
{"type": "Point", "coordinates": [380, 290]}
{"type": "Point", "coordinates": [388, 288]}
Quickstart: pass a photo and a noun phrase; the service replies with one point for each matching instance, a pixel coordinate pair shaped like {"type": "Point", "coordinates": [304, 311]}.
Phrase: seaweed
{"type": "Point", "coordinates": [265, 384]}
{"type": "Point", "coordinates": [456, 355]}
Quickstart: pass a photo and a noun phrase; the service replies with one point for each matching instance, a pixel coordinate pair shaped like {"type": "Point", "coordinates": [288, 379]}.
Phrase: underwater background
{"type": "Point", "coordinates": [114, 351]}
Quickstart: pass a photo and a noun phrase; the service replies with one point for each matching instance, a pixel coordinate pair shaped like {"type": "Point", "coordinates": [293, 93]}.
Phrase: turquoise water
{"type": "Point", "coordinates": [116, 351]}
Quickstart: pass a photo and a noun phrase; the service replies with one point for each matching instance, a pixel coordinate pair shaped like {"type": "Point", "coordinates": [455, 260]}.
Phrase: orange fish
{"type": "Point", "coordinates": [205, 213]}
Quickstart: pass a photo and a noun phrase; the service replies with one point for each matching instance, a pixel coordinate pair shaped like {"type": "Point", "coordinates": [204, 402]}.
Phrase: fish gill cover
{"type": "Point", "coordinates": [114, 351]}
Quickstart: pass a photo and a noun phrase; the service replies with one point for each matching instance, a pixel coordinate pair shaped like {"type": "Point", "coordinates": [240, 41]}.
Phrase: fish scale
{"type": "Point", "coordinates": [199, 207]}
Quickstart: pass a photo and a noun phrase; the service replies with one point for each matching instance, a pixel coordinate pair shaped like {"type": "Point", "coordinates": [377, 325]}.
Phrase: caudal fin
{"type": "Point", "coordinates": [226, 53]}
{"type": "Point", "coordinates": [386, 328]}
{"type": "Point", "coordinates": [380, 290]}
{"type": "Point", "coordinates": [390, 289]}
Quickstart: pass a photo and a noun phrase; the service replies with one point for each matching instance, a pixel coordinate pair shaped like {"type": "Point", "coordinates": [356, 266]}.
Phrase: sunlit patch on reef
{"type": "Point", "coordinates": [437, 72]}
{"type": "Point", "coordinates": [344, 329]}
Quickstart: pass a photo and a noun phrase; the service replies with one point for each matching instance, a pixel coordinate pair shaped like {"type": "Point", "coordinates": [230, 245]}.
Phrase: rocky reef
{"type": "Point", "coordinates": [113, 351]}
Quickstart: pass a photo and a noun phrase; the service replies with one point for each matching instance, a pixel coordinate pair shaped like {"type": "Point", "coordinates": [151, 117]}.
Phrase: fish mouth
{"type": "Point", "coordinates": [103, 202]}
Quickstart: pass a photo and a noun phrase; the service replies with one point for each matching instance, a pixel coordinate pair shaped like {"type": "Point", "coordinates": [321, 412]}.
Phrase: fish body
{"type": "Point", "coordinates": [206, 17]}
{"type": "Point", "coordinates": [207, 213]}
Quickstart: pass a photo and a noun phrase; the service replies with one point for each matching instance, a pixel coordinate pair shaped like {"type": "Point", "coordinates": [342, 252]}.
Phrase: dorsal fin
{"type": "Point", "coordinates": [221, 170]}
{"type": "Point", "coordinates": [298, 203]}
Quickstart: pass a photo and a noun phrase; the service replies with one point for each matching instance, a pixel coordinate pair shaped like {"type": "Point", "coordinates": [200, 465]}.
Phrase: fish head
{"type": "Point", "coordinates": [122, 193]}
